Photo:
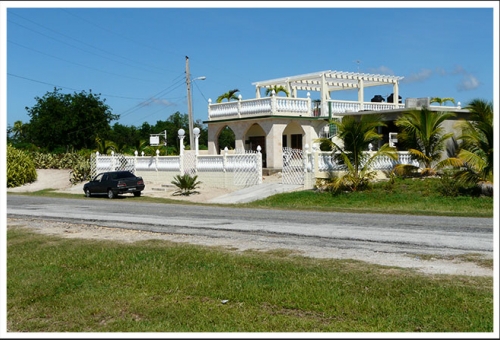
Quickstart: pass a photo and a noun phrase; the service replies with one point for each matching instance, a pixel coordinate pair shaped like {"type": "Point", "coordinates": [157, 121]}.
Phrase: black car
{"type": "Point", "coordinates": [113, 183]}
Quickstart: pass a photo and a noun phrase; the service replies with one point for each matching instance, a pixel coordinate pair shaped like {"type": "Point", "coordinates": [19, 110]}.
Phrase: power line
{"type": "Point", "coordinates": [110, 31]}
{"type": "Point", "coordinates": [72, 38]}
{"type": "Point", "coordinates": [66, 87]}
{"type": "Point", "coordinates": [71, 62]}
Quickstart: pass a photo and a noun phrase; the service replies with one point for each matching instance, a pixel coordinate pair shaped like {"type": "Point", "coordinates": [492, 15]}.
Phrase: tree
{"type": "Point", "coordinates": [103, 146]}
{"type": "Point", "coordinates": [442, 101]}
{"type": "Point", "coordinates": [474, 158]}
{"type": "Point", "coordinates": [423, 135]}
{"type": "Point", "coordinates": [355, 135]}
{"type": "Point", "coordinates": [18, 130]}
{"type": "Point", "coordinates": [226, 138]}
{"type": "Point", "coordinates": [277, 89]}
{"type": "Point", "coordinates": [68, 120]}
{"type": "Point", "coordinates": [230, 95]}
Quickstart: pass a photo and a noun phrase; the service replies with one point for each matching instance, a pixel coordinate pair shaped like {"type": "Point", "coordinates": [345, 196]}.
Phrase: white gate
{"type": "Point", "coordinates": [293, 166]}
{"type": "Point", "coordinates": [189, 163]}
{"type": "Point", "coordinates": [117, 162]}
{"type": "Point", "coordinates": [247, 168]}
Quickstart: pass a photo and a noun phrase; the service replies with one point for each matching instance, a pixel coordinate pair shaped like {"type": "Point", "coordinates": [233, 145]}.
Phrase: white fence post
{"type": "Point", "coordinates": [156, 159]}
{"type": "Point", "coordinates": [224, 160]}
{"type": "Point", "coordinates": [113, 162]}
{"type": "Point", "coordinates": [273, 103]}
{"type": "Point", "coordinates": [239, 105]}
{"type": "Point", "coordinates": [136, 153]}
{"type": "Point", "coordinates": [259, 163]}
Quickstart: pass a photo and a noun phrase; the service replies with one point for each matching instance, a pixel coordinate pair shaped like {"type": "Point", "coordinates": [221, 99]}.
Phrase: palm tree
{"type": "Point", "coordinates": [475, 152]}
{"type": "Point", "coordinates": [186, 184]}
{"type": "Point", "coordinates": [18, 129]}
{"type": "Point", "coordinates": [277, 89]}
{"type": "Point", "coordinates": [356, 136]}
{"type": "Point", "coordinates": [230, 95]}
{"type": "Point", "coordinates": [103, 146]}
{"type": "Point", "coordinates": [140, 144]}
{"type": "Point", "coordinates": [442, 101]}
{"type": "Point", "coordinates": [423, 135]}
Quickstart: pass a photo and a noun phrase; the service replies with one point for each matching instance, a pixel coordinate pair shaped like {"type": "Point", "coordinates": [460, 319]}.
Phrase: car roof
{"type": "Point", "coordinates": [119, 172]}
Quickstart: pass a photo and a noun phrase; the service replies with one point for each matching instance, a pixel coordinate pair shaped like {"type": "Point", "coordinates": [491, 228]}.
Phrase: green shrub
{"type": "Point", "coordinates": [80, 172]}
{"type": "Point", "coordinates": [449, 186]}
{"type": "Point", "coordinates": [20, 168]}
{"type": "Point", "coordinates": [186, 184]}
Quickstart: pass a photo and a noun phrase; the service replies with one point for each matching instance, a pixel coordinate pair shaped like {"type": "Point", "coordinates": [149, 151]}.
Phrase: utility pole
{"type": "Point", "coordinates": [190, 109]}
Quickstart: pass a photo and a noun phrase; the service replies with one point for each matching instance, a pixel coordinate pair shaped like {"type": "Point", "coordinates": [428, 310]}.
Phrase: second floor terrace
{"type": "Point", "coordinates": [325, 83]}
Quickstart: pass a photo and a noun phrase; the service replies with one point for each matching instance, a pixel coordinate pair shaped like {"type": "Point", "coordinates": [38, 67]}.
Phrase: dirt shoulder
{"type": "Point", "coordinates": [427, 265]}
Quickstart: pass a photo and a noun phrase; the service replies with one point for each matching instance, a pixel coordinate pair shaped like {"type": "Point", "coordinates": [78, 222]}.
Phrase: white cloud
{"type": "Point", "coordinates": [418, 77]}
{"type": "Point", "coordinates": [468, 82]}
{"type": "Point", "coordinates": [382, 70]}
{"type": "Point", "coordinates": [459, 70]}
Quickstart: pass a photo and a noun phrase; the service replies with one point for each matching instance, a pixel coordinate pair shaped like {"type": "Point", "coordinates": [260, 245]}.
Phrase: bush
{"type": "Point", "coordinates": [80, 172]}
{"type": "Point", "coordinates": [186, 184]}
{"type": "Point", "coordinates": [20, 168]}
{"type": "Point", "coordinates": [449, 186]}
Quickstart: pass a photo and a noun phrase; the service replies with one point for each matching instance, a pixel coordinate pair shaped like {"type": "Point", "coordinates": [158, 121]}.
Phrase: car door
{"type": "Point", "coordinates": [105, 183]}
{"type": "Point", "coordinates": [98, 185]}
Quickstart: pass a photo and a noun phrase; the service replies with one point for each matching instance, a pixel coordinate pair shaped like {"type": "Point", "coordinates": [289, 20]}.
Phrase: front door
{"type": "Point", "coordinates": [255, 142]}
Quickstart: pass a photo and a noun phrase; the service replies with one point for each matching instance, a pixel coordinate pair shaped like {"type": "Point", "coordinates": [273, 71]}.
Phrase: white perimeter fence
{"type": "Point", "coordinates": [303, 167]}
{"type": "Point", "coordinates": [222, 171]}
{"type": "Point", "coordinates": [242, 168]}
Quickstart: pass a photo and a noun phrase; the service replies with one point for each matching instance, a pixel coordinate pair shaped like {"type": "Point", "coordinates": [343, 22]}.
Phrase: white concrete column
{"type": "Point", "coordinates": [361, 94]}
{"type": "Point", "coordinates": [395, 90]}
{"type": "Point", "coordinates": [324, 94]}
{"type": "Point", "coordinates": [274, 148]}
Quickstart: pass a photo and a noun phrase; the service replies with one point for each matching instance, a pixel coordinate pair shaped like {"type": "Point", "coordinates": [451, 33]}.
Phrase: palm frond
{"type": "Point", "coordinates": [186, 184]}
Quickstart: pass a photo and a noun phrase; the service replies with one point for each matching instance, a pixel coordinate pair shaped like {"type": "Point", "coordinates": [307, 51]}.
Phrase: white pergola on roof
{"type": "Point", "coordinates": [328, 81]}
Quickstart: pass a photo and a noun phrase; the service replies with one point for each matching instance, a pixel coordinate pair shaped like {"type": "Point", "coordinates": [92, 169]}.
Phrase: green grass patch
{"type": "Point", "coordinates": [72, 285]}
{"type": "Point", "coordinates": [408, 196]}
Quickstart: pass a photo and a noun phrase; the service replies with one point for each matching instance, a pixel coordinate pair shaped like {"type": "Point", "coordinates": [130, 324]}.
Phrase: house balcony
{"type": "Point", "coordinates": [291, 107]}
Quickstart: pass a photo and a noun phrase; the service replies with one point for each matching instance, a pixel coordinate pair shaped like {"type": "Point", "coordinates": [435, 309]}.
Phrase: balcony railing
{"type": "Point", "coordinates": [284, 106]}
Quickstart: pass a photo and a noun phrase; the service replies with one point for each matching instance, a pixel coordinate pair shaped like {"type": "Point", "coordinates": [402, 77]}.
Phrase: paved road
{"type": "Point", "coordinates": [389, 233]}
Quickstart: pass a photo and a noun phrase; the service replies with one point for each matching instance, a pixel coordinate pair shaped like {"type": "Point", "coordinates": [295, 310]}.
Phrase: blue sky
{"type": "Point", "coordinates": [135, 57]}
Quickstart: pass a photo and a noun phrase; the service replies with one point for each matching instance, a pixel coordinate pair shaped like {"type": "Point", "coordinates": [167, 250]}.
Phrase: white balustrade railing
{"type": "Point", "coordinates": [260, 106]}
{"type": "Point", "coordinates": [210, 163]}
{"type": "Point", "coordinates": [342, 106]}
{"type": "Point", "coordinates": [291, 106]}
{"type": "Point", "coordinates": [225, 162]}
{"type": "Point", "coordinates": [381, 106]}
{"type": "Point", "coordinates": [327, 162]}
{"type": "Point", "coordinates": [255, 106]}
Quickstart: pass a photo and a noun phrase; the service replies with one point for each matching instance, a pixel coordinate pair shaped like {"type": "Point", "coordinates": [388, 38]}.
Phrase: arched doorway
{"type": "Point", "coordinates": [293, 136]}
{"type": "Point", "coordinates": [225, 138]}
{"type": "Point", "coordinates": [255, 137]}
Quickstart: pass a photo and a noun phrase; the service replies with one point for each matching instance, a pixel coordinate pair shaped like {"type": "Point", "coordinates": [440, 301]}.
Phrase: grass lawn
{"type": "Point", "coordinates": [72, 285]}
{"type": "Point", "coordinates": [404, 196]}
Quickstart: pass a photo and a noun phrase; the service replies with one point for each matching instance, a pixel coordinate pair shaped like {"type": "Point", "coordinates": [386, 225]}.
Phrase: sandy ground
{"type": "Point", "coordinates": [59, 180]}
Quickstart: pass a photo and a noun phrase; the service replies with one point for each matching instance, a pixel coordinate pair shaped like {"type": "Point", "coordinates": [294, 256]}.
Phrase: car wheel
{"type": "Point", "coordinates": [111, 194]}
{"type": "Point", "coordinates": [137, 193]}
{"type": "Point", "coordinates": [87, 193]}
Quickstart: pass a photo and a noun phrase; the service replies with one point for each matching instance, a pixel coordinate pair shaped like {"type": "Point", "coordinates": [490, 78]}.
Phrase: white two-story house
{"type": "Point", "coordinates": [280, 121]}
